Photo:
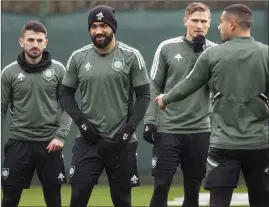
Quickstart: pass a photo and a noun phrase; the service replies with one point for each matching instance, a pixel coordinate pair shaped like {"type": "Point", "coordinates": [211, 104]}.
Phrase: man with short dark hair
{"type": "Point", "coordinates": [30, 85]}
{"type": "Point", "coordinates": [107, 73]}
{"type": "Point", "coordinates": [237, 72]}
{"type": "Point", "coordinates": [177, 131]}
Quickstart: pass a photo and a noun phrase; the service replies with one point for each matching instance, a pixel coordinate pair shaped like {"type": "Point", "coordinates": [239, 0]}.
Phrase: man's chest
{"type": "Point", "coordinates": [98, 70]}
{"type": "Point", "coordinates": [30, 84]}
{"type": "Point", "coordinates": [179, 61]}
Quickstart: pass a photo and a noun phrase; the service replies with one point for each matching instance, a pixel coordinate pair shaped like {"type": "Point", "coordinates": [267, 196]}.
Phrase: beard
{"type": "Point", "coordinates": [33, 55]}
{"type": "Point", "coordinates": [104, 43]}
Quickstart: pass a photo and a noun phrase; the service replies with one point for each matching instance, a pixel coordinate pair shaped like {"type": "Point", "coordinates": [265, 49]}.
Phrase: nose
{"type": "Point", "coordinates": [219, 27]}
{"type": "Point", "coordinates": [199, 25]}
{"type": "Point", "coordinates": [35, 43]}
{"type": "Point", "coordinates": [98, 30]}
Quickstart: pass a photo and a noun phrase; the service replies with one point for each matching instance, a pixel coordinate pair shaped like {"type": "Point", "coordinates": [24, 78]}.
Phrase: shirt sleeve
{"type": "Point", "coordinates": [6, 90]}
{"type": "Point", "coordinates": [198, 77]}
{"type": "Point", "coordinates": [71, 75]}
{"type": "Point", "coordinates": [157, 75]}
{"type": "Point", "coordinates": [139, 74]}
{"type": "Point", "coordinates": [66, 121]}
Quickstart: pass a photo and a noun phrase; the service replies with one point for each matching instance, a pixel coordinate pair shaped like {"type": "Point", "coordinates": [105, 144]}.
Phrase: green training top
{"type": "Point", "coordinates": [237, 72]}
{"type": "Point", "coordinates": [34, 106]}
{"type": "Point", "coordinates": [173, 61]}
{"type": "Point", "coordinates": [106, 83]}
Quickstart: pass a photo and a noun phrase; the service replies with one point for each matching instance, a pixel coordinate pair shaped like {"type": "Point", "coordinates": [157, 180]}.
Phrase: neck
{"type": "Point", "coordinates": [242, 34]}
{"type": "Point", "coordinates": [188, 37]}
{"type": "Point", "coordinates": [108, 48]}
{"type": "Point", "coordinates": [33, 61]}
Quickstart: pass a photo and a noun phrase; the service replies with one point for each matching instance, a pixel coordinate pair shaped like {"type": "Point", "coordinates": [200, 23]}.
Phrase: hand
{"type": "Point", "coordinates": [118, 143]}
{"type": "Point", "coordinates": [149, 133]}
{"type": "Point", "coordinates": [199, 42]}
{"type": "Point", "coordinates": [55, 145]}
{"type": "Point", "coordinates": [159, 100]}
{"type": "Point", "coordinates": [88, 130]}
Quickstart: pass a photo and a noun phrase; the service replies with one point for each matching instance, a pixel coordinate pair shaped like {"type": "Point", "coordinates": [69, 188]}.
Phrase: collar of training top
{"type": "Point", "coordinates": [32, 68]}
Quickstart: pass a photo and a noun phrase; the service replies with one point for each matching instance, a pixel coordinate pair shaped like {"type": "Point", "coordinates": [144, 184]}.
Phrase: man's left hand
{"type": "Point", "coordinates": [55, 145]}
{"type": "Point", "coordinates": [159, 100]}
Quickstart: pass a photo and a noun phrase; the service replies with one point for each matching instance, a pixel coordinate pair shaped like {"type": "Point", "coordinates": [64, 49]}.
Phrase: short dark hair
{"type": "Point", "coordinates": [34, 26]}
{"type": "Point", "coordinates": [196, 6]}
{"type": "Point", "coordinates": [243, 14]}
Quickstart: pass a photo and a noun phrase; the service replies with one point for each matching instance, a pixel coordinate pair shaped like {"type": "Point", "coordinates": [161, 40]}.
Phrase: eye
{"type": "Point", "coordinates": [93, 26]}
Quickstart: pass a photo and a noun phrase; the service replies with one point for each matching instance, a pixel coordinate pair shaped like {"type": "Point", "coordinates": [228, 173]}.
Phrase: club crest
{"type": "Point", "coordinates": [48, 74]}
{"type": "Point", "coordinates": [117, 64]}
{"type": "Point", "coordinates": [5, 173]}
{"type": "Point", "coordinates": [71, 171]}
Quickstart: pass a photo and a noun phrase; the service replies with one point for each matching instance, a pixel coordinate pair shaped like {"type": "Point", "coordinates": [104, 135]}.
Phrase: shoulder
{"type": "Point", "coordinates": [82, 50]}
{"type": "Point", "coordinates": [209, 43]}
{"type": "Point", "coordinates": [131, 51]}
{"type": "Point", "coordinates": [128, 49]}
{"type": "Point", "coordinates": [79, 53]}
{"type": "Point", "coordinates": [57, 65]}
{"type": "Point", "coordinates": [10, 68]}
{"type": "Point", "coordinates": [172, 41]}
{"type": "Point", "coordinates": [261, 45]}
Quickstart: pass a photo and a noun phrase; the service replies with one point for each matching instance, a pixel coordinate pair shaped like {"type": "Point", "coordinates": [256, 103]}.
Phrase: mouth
{"type": "Point", "coordinates": [99, 39]}
{"type": "Point", "coordinates": [34, 50]}
{"type": "Point", "coordinates": [198, 32]}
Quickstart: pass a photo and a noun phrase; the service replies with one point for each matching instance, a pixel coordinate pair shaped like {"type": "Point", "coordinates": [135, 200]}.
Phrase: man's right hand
{"type": "Point", "coordinates": [149, 133]}
{"type": "Point", "coordinates": [88, 130]}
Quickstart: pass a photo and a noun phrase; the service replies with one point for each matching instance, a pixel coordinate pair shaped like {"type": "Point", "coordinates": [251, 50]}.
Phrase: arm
{"type": "Point", "coordinates": [158, 76]}
{"type": "Point", "coordinates": [198, 77]}
{"type": "Point", "coordinates": [69, 104]}
{"type": "Point", "coordinates": [6, 90]}
{"type": "Point", "coordinates": [140, 83]}
{"type": "Point", "coordinates": [141, 86]}
{"type": "Point", "coordinates": [66, 121]}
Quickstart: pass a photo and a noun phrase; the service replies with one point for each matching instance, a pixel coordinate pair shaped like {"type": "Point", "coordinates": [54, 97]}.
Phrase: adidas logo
{"type": "Point", "coordinates": [99, 16]}
{"type": "Point", "coordinates": [87, 66]}
{"type": "Point", "coordinates": [178, 56]}
{"type": "Point", "coordinates": [20, 76]}
{"type": "Point", "coordinates": [61, 176]}
{"type": "Point", "coordinates": [134, 179]}
{"type": "Point", "coordinates": [84, 127]}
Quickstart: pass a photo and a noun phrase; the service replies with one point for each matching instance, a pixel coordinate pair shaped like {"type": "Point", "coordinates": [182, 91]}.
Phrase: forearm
{"type": "Point", "coordinates": [151, 113]}
{"type": "Point", "coordinates": [179, 92]}
{"type": "Point", "coordinates": [69, 103]}
{"type": "Point", "coordinates": [142, 101]}
{"type": "Point", "coordinates": [3, 115]}
{"type": "Point", "coordinates": [65, 123]}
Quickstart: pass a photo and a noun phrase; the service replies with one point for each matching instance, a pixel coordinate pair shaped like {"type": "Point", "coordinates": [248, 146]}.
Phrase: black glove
{"type": "Point", "coordinates": [118, 143]}
{"type": "Point", "coordinates": [149, 133]}
{"type": "Point", "coordinates": [122, 137]}
{"type": "Point", "coordinates": [199, 42]}
{"type": "Point", "coordinates": [87, 130]}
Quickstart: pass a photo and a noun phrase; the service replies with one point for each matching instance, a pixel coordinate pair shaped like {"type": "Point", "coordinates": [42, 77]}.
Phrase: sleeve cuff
{"type": "Point", "coordinates": [165, 99]}
{"type": "Point", "coordinates": [61, 138]}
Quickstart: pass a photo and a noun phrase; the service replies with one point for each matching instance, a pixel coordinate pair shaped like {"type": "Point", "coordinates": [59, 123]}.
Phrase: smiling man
{"type": "Point", "coordinates": [177, 131]}
{"type": "Point", "coordinates": [237, 72]}
{"type": "Point", "coordinates": [107, 73]}
{"type": "Point", "coordinates": [30, 86]}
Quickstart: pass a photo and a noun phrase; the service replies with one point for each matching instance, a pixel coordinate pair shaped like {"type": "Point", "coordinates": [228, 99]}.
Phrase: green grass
{"type": "Point", "coordinates": [100, 197]}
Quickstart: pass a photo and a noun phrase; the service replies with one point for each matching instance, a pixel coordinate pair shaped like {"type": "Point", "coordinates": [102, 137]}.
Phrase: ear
{"type": "Point", "coordinates": [209, 21]}
{"type": "Point", "coordinates": [233, 24]}
{"type": "Point", "coordinates": [185, 19]}
{"type": "Point", "coordinates": [21, 42]}
{"type": "Point", "coordinates": [46, 42]}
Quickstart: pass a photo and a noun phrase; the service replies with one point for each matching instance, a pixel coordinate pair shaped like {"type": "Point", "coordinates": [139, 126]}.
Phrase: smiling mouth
{"type": "Point", "coordinates": [100, 38]}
